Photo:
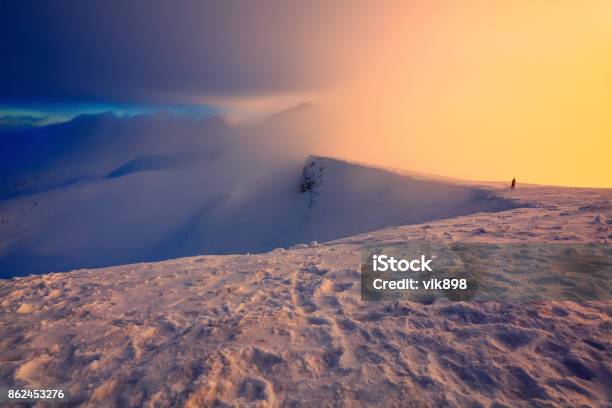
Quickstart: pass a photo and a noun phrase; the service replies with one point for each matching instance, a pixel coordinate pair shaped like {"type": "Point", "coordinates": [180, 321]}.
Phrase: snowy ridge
{"type": "Point", "coordinates": [328, 199]}
{"type": "Point", "coordinates": [214, 192]}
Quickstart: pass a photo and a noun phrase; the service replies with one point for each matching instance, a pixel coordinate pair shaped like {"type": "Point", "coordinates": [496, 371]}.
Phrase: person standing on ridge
{"type": "Point", "coordinates": [513, 183]}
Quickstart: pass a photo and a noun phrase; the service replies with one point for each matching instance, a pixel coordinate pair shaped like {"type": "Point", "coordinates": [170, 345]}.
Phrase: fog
{"type": "Point", "coordinates": [103, 190]}
{"type": "Point", "coordinates": [63, 205]}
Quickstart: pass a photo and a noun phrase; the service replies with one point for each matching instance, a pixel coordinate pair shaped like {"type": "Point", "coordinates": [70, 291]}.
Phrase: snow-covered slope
{"type": "Point", "coordinates": [139, 213]}
{"type": "Point", "coordinates": [288, 328]}
{"type": "Point", "coordinates": [102, 190]}
{"type": "Point", "coordinates": [329, 200]}
{"type": "Point", "coordinates": [91, 146]}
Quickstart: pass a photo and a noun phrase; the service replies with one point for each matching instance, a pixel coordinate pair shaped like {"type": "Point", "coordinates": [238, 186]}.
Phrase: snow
{"type": "Point", "coordinates": [59, 211]}
{"type": "Point", "coordinates": [284, 326]}
{"type": "Point", "coordinates": [288, 328]}
{"type": "Point", "coordinates": [156, 207]}
{"type": "Point", "coordinates": [142, 163]}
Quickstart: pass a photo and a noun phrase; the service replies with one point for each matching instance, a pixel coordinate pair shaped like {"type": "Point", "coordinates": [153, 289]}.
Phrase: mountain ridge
{"type": "Point", "coordinates": [158, 214]}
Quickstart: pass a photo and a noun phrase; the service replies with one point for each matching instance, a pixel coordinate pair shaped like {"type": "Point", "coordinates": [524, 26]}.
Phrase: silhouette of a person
{"type": "Point", "coordinates": [513, 183]}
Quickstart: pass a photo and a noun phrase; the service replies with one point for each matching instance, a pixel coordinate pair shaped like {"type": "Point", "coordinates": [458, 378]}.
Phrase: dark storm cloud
{"type": "Point", "coordinates": [160, 51]}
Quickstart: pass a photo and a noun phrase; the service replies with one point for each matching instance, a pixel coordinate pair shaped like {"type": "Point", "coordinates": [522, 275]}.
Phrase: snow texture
{"type": "Point", "coordinates": [288, 328]}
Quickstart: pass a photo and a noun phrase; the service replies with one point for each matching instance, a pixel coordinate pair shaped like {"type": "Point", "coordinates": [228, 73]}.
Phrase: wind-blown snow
{"type": "Point", "coordinates": [102, 190]}
{"type": "Point", "coordinates": [343, 199]}
{"type": "Point", "coordinates": [288, 328]}
{"type": "Point", "coordinates": [143, 163]}
{"type": "Point", "coordinates": [59, 210]}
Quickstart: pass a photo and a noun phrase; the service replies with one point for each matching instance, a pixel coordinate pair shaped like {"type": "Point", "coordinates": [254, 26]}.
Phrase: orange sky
{"type": "Point", "coordinates": [471, 89]}
{"type": "Point", "coordinates": [484, 90]}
